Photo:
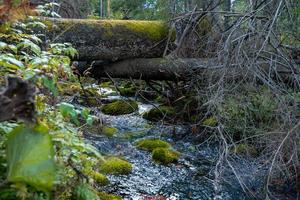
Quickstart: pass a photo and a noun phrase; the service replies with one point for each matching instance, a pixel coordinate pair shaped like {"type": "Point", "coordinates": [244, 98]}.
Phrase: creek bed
{"type": "Point", "coordinates": [193, 177]}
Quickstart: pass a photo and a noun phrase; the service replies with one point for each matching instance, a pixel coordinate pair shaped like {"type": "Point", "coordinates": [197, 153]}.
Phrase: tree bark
{"type": "Point", "coordinates": [156, 68]}
{"type": "Point", "coordinates": [110, 39]}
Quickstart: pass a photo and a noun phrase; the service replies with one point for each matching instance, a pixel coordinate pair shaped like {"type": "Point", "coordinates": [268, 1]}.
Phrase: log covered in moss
{"type": "Point", "coordinates": [110, 39]}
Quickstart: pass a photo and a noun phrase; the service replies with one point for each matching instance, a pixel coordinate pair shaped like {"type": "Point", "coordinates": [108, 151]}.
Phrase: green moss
{"type": "Point", "coordinates": [85, 192]}
{"type": "Point", "coordinates": [154, 30]}
{"type": "Point", "coordinates": [99, 178]}
{"type": "Point", "coordinates": [109, 131]}
{"type": "Point", "coordinates": [128, 91]}
{"type": "Point", "coordinates": [151, 144]}
{"type": "Point", "coordinates": [106, 196]}
{"type": "Point", "coordinates": [106, 84]}
{"type": "Point", "coordinates": [165, 156]}
{"type": "Point", "coordinates": [116, 166]}
{"type": "Point", "coordinates": [119, 107]}
{"type": "Point", "coordinates": [210, 121]}
{"type": "Point", "coordinates": [156, 114]}
{"type": "Point", "coordinates": [245, 149]}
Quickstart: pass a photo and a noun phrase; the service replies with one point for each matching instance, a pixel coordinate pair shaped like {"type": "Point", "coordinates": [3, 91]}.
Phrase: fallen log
{"type": "Point", "coordinates": [110, 39]}
{"type": "Point", "coordinates": [204, 70]}
{"type": "Point", "coordinates": [155, 68]}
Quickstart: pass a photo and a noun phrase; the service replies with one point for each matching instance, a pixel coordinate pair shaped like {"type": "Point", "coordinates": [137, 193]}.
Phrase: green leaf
{"type": "Point", "coordinates": [49, 83]}
{"type": "Point", "coordinates": [3, 45]}
{"type": "Point", "coordinates": [29, 44]}
{"type": "Point", "coordinates": [65, 109]}
{"type": "Point", "coordinates": [30, 157]}
{"type": "Point", "coordinates": [13, 48]}
{"type": "Point", "coordinates": [84, 192]}
{"type": "Point", "coordinates": [10, 62]}
{"type": "Point", "coordinates": [85, 113]}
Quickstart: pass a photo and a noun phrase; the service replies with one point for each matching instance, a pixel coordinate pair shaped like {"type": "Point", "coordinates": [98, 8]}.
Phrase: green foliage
{"type": "Point", "coordinates": [151, 144]}
{"type": "Point", "coordinates": [248, 114]}
{"type": "Point", "coordinates": [119, 107]}
{"type": "Point", "coordinates": [29, 149]}
{"type": "Point", "coordinates": [165, 155]}
{"type": "Point", "coordinates": [30, 157]}
{"type": "Point", "coordinates": [85, 192]}
{"type": "Point", "coordinates": [68, 111]}
{"type": "Point", "coordinates": [116, 166]}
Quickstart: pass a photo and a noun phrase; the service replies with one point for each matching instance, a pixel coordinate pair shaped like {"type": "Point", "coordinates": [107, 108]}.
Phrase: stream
{"type": "Point", "coordinates": [193, 177]}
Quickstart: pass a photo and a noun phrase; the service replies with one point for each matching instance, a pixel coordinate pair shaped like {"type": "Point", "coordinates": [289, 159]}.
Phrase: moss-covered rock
{"type": "Point", "coordinates": [165, 156]}
{"type": "Point", "coordinates": [109, 131]}
{"type": "Point", "coordinates": [128, 91]}
{"type": "Point", "coordinates": [156, 114]}
{"type": "Point", "coordinates": [119, 107]}
{"type": "Point", "coordinates": [116, 166]}
{"type": "Point", "coordinates": [99, 178]}
{"type": "Point", "coordinates": [245, 149]}
{"type": "Point", "coordinates": [106, 196]}
{"type": "Point", "coordinates": [151, 144]}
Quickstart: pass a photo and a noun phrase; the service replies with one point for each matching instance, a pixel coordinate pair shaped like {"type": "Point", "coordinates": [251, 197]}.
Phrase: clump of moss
{"type": "Point", "coordinates": [119, 107]}
{"type": "Point", "coordinates": [99, 178]}
{"type": "Point", "coordinates": [165, 155]}
{"type": "Point", "coordinates": [106, 196]}
{"type": "Point", "coordinates": [245, 149]}
{"type": "Point", "coordinates": [128, 91]}
{"type": "Point", "coordinates": [90, 96]}
{"type": "Point", "coordinates": [210, 121]}
{"type": "Point", "coordinates": [116, 166]}
{"type": "Point", "coordinates": [151, 144]}
{"type": "Point", "coordinates": [109, 131]}
{"type": "Point", "coordinates": [156, 114]}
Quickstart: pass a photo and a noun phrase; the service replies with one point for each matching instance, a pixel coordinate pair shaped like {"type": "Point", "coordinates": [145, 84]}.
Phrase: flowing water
{"type": "Point", "coordinates": [193, 177]}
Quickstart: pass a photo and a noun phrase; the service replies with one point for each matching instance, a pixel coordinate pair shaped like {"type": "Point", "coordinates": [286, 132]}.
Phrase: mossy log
{"type": "Point", "coordinates": [110, 39]}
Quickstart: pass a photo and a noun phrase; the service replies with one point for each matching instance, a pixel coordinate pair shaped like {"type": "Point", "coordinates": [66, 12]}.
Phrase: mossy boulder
{"type": "Point", "coordinates": [106, 196]}
{"type": "Point", "coordinates": [116, 166]}
{"type": "Point", "coordinates": [128, 91]}
{"type": "Point", "coordinates": [245, 149]}
{"type": "Point", "coordinates": [119, 107]}
{"type": "Point", "coordinates": [156, 114]}
{"type": "Point", "coordinates": [151, 144]}
{"type": "Point", "coordinates": [109, 131]}
{"type": "Point", "coordinates": [165, 156]}
{"type": "Point", "coordinates": [99, 178]}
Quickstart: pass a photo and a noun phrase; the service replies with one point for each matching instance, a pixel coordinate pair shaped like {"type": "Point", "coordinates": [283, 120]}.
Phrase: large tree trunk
{"type": "Point", "coordinates": [157, 68]}
{"type": "Point", "coordinates": [110, 39]}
